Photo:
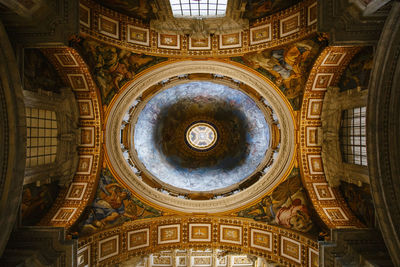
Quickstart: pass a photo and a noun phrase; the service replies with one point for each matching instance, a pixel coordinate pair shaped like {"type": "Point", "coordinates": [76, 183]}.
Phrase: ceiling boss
{"type": "Point", "coordinates": [201, 136]}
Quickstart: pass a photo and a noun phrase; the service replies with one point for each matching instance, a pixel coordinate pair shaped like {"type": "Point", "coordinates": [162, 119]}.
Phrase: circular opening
{"type": "Point", "coordinates": [201, 136]}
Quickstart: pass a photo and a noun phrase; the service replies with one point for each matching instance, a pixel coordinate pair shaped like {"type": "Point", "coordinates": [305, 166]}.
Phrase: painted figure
{"type": "Point", "coordinates": [114, 205]}
{"type": "Point", "coordinates": [287, 66]}
{"type": "Point", "coordinates": [112, 67]}
{"type": "Point", "coordinates": [286, 206]}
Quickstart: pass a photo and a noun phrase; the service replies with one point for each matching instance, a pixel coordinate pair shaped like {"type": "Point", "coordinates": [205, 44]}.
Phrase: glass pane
{"type": "Point", "coordinates": [353, 136]}
{"type": "Point", "coordinates": [33, 162]}
{"type": "Point", "coordinates": [34, 142]}
{"type": "Point", "coordinates": [195, 8]}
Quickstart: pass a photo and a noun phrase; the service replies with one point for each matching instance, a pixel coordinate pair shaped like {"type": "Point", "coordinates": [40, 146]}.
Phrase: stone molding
{"type": "Point", "coordinates": [276, 34]}
{"type": "Point", "coordinates": [346, 24]}
{"type": "Point", "coordinates": [354, 247]}
{"type": "Point", "coordinates": [264, 87]}
{"type": "Point", "coordinates": [12, 138]}
{"type": "Point", "coordinates": [287, 247]}
{"type": "Point", "coordinates": [382, 132]}
{"type": "Point", "coordinates": [40, 246]}
{"type": "Point", "coordinates": [73, 199]}
{"type": "Point", "coordinates": [46, 22]}
{"type": "Point", "coordinates": [327, 201]}
{"type": "Point", "coordinates": [336, 169]}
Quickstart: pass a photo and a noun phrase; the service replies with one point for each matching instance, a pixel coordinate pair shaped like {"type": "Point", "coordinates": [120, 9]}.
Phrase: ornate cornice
{"type": "Point", "coordinates": [346, 23]}
{"type": "Point", "coordinates": [73, 199]}
{"type": "Point", "coordinates": [327, 201]}
{"type": "Point", "coordinates": [290, 25]}
{"type": "Point", "coordinates": [143, 237]}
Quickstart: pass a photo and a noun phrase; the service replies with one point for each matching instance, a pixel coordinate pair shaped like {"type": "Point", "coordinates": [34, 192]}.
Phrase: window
{"type": "Point", "coordinates": [353, 136]}
{"type": "Point", "coordinates": [41, 137]}
{"type": "Point", "coordinates": [198, 8]}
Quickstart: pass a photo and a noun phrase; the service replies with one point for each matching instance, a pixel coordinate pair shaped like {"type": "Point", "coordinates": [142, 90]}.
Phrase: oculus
{"type": "Point", "coordinates": [201, 136]}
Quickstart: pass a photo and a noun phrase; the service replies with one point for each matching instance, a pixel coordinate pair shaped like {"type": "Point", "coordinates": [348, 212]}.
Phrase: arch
{"type": "Point", "coordinates": [73, 199]}
{"type": "Point", "coordinates": [12, 138]}
{"type": "Point", "coordinates": [382, 133]}
{"type": "Point", "coordinates": [327, 201]}
{"type": "Point", "coordinates": [143, 237]}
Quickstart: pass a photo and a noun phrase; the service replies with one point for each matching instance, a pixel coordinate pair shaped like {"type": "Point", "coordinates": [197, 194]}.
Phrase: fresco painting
{"type": "Point", "coordinates": [286, 206]}
{"type": "Point", "coordinates": [360, 202]}
{"type": "Point", "coordinates": [244, 136]}
{"type": "Point", "coordinates": [113, 205]}
{"type": "Point", "coordinates": [36, 202]}
{"type": "Point", "coordinates": [39, 73]}
{"type": "Point", "coordinates": [287, 67]}
{"type": "Point", "coordinates": [256, 9]}
{"type": "Point", "coordinates": [140, 9]}
{"type": "Point", "coordinates": [112, 67]}
{"type": "Point", "coordinates": [358, 71]}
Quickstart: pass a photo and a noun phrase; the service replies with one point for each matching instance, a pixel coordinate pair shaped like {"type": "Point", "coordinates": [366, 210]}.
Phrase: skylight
{"type": "Point", "coordinates": [198, 8]}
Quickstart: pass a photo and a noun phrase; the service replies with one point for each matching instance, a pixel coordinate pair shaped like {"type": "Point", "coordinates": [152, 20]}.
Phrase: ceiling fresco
{"type": "Point", "coordinates": [37, 201]}
{"type": "Point", "coordinates": [111, 66]}
{"type": "Point", "coordinates": [357, 73]}
{"type": "Point", "coordinates": [159, 136]}
{"type": "Point", "coordinates": [39, 73]}
{"type": "Point", "coordinates": [287, 206]}
{"type": "Point", "coordinates": [294, 62]}
{"type": "Point", "coordinates": [140, 9]}
{"type": "Point", "coordinates": [167, 38]}
{"type": "Point", "coordinates": [360, 202]}
{"type": "Point", "coordinates": [113, 205]}
{"type": "Point", "coordinates": [256, 9]}
{"type": "Point", "coordinates": [288, 67]}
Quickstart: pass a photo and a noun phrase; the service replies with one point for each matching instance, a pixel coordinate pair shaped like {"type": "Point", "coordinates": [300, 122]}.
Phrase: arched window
{"type": "Point", "coordinates": [41, 137]}
{"type": "Point", "coordinates": [353, 136]}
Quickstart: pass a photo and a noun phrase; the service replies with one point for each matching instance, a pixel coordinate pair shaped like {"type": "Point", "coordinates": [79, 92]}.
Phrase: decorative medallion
{"type": "Point", "coordinates": [201, 136]}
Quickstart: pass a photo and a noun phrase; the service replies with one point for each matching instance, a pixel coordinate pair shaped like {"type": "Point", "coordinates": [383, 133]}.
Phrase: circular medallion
{"type": "Point", "coordinates": [201, 136]}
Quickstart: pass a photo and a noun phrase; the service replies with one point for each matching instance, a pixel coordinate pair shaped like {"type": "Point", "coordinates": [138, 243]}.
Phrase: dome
{"type": "Point", "coordinates": [191, 134]}
{"type": "Point", "coordinates": [201, 136]}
